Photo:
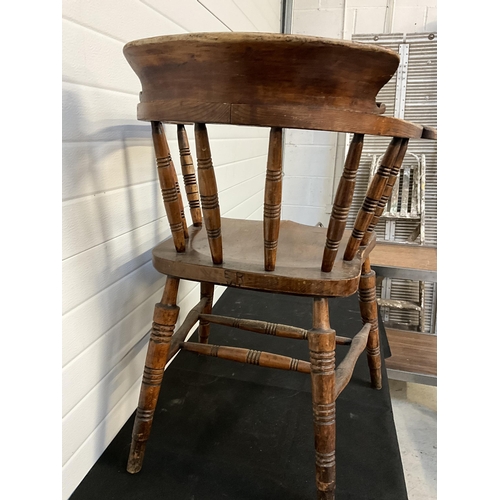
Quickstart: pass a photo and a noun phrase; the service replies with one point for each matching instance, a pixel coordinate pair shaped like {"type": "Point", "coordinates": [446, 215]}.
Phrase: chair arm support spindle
{"type": "Point", "coordinates": [373, 195]}
{"type": "Point", "coordinates": [387, 191]}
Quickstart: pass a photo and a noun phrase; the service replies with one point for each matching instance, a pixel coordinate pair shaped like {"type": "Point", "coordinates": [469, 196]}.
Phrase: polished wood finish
{"type": "Point", "coordinates": [342, 203]}
{"type": "Point", "coordinates": [249, 356]}
{"type": "Point", "coordinates": [208, 192]}
{"type": "Point", "coordinates": [169, 186]}
{"type": "Point", "coordinates": [164, 319]}
{"type": "Point", "coordinates": [277, 81]}
{"type": "Point", "coordinates": [272, 198]}
{"type": "Point", "coordinates": [189, 175]}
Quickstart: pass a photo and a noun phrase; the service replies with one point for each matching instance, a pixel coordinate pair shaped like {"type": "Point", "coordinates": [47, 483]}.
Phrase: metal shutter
{"type": "Point", "coordinates": [410, 94]}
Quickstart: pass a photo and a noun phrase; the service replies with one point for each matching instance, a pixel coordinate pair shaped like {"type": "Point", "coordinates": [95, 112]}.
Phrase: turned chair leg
{"type": "Point", "coordinates": [368, 307]}
{"type": "Point", "coordinates": [322, 355]}
{"type": "Point", "coordinates": [164, 319]}
{"type": "Point", "coordinates": [206, 290]}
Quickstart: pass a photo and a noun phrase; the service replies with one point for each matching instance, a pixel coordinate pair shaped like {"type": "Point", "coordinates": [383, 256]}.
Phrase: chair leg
{"type": "Point", "coordinates": [164, 319]}
{"type": "Point", "coordinates": [368, 307]}
{"type": "Point", "coordinates": [206, 290]}
{"type": "Point", "coordinates": [322, 355]}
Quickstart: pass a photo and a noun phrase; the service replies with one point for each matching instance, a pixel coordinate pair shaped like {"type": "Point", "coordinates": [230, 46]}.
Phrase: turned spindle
{"type": "Point", "coordinates": [373, 195]}
{"type": "Point", "coordinates": [208, 192]}
{"type": "Point", "coordinates": [169, 186]}
{"type": "Point", "coordinates": [189, 176]}
{"type": "Point", "coordinates": [387, 191]}
{"type": "Point", "coordinates": [272, 198]}
{"type": "Point", "coordinates": [342, 203]}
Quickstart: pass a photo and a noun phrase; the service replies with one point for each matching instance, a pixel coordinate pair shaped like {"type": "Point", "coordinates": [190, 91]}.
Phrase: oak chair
{"type": "Point", "coordinates": [407, 202]}
{"type": "Point", "coordinates": [275, 81]}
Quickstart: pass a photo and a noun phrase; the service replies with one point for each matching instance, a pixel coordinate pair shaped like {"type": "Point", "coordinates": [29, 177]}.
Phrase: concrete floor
{"type": "Point", "coordinates": [415, 416]}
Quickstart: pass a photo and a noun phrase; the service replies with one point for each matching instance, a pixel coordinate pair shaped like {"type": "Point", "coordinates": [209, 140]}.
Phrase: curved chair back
{"type": "Point", "coordinates": [270, 80]}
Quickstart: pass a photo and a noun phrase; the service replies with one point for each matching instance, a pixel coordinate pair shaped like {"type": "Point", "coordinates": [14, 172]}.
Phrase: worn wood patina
{"type": "Point", "coordinates": [277, 81]}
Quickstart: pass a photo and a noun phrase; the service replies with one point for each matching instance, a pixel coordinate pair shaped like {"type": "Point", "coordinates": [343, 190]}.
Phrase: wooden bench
{"type": "Point", "coordinates": [414, 355]}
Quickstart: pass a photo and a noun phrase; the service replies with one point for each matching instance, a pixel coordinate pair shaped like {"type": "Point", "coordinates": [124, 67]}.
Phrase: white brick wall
{"type": "Point", "coordinates": [112, 213]}
{"type": "Point", "coordinates": [311, 157]}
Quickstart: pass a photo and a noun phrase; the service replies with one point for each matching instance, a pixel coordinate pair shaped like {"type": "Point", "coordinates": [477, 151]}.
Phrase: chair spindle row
{"type": "Point", "coordinates": [169, 186]}
{"type": "Point", "coordinates": [387, 191]}
{"type": "Point", "coordinates": [377, 195]}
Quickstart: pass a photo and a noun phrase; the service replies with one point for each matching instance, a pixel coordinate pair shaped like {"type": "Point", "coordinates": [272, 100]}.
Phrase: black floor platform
{"type": "Point", "coordinates": [225, 430]}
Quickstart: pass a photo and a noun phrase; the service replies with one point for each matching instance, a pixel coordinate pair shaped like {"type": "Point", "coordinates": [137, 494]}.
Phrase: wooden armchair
{"type": "Point", "coordinates": [276, 81]}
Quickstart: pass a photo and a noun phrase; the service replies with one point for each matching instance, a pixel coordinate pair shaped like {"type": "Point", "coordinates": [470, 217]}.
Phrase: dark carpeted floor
{"type": "Point", "coordinates": [225, 430]}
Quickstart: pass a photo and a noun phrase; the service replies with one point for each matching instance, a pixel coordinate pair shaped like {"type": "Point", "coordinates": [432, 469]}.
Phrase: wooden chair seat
{"type": "Point", "coordinates": [297, 272]}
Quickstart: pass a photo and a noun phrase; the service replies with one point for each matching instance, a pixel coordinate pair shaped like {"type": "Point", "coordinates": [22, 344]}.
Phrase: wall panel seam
{"type": "Point", "coordinates": [105, 288]}
{"type": "Point", "coordinates": [242, 182]}
{"type": "Point", "coordinates": [100, 423]}
{"type": "Point", "coordinates": [216, 17]}
{"type": "Point", "coordinates": [164, 16]}
{"type": "Point", "coordinates": [246, 199]}
{"type": "Point", "coordinates": [72, 82]}
{"type": "Point", "coordinates": [132, 348]}
{"type": "Point", "coordinates": [116, 236]}
{"type": "Point", "coordinates": [110, 191]}
{"type": "Point", "coordinates": [95, 30]}
{"type": "Point", "coordinates": [251, 22]}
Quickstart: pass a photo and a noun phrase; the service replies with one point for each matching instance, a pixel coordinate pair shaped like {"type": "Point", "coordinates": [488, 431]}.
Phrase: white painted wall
{"type": "Point", "coordinates": [310, 158]}
{"type": "Point", "coordinates": [112, 212]}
